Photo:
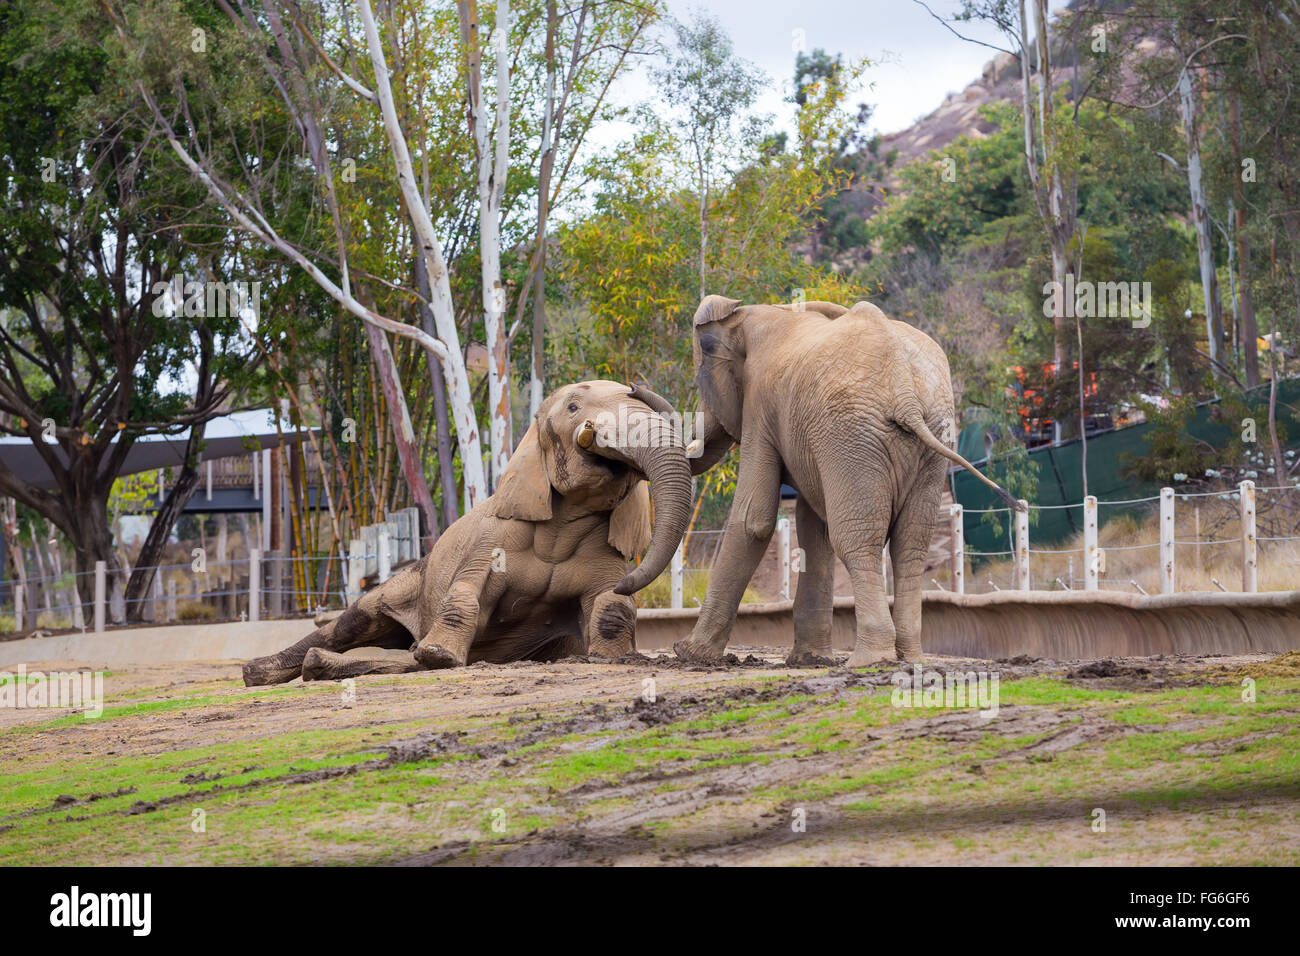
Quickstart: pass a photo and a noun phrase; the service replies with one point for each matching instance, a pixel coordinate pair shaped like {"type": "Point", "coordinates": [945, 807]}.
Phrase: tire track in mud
{"type": "Point", "coordinates": [621, 833]}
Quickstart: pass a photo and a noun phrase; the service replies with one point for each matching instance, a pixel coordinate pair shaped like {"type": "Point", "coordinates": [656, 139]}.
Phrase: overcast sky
{"type": "Point", "coordinates": [915, 60]}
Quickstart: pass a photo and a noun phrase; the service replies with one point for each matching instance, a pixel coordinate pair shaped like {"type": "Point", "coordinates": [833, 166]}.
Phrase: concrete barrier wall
{"type": "Point", "coordinates": [1063, 625]}
{"type": "Point", "coordinates": [144, 645]}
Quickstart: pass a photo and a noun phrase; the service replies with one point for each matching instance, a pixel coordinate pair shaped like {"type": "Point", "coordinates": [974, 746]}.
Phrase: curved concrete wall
{"type": "Point", "coordinates": [1061, 625]}
{"type": "Point", "coordinates": [1064, 625]}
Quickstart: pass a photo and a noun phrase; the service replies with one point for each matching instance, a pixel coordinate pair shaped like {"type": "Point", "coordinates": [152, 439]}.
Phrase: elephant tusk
{"type": "Point", "coordinates": [695, 449]}
{"type": "Point", "coordinates": [586, 434]}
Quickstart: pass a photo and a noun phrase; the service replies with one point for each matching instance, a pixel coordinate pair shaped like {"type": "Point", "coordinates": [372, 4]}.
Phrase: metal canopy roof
{"type": "Point", "coordinates": [228, 436]}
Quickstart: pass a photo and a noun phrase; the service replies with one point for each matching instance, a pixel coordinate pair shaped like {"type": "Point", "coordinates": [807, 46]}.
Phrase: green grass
{"type": "Point", "coordinates": [806, 750]}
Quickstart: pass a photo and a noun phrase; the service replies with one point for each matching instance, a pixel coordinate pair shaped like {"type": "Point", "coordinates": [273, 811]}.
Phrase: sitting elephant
{"type": "Point", "coordinates": [843, 405]}
{"type": "Point", "coordinates": [538, 570]}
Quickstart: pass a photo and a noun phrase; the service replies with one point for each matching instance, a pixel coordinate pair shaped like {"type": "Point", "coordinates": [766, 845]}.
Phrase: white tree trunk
{"type": "Point", "coordinates": [537, 377]}
{"type": "Point", "coordinates": [492, 170]}
{"type": "Point", "coordinates": [1201, 218]}
{"type": "Point", "coordinates": [440, 302]}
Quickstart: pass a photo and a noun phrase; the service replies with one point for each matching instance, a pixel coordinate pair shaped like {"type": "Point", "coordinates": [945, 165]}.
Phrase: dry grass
{"type": "Point", "coordinates": [1212, 521]}
{"type": "Point", "coordinates": [195, 611]}
{"type": "Point", "coordinates": [695, 583]}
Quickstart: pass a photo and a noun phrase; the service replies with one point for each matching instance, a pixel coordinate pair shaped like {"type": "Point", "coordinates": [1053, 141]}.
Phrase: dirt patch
{"type": "Point", "coordinates": [1284, 665]}
{"type": "Point", "coordinates": [1149, 673]}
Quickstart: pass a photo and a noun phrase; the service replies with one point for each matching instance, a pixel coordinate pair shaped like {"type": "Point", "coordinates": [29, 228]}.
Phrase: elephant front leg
{"type": "Point", "coordinates": [609, 624]}
{"type": "Point", "coordinates": [363, 624]}
{"type": "Point", "coordinates": [447, 643]}
{"type": "Point", "coordinates": [815, 598]}
{"type": "Point", "coordinates": [320, 664]}
{"type": "Point", "coordinates": [749, 528]}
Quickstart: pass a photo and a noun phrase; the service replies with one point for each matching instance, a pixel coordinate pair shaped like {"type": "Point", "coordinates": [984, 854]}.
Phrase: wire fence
{"type": "Point", "coordinates": [1217, 548]}
{"type": "Point", "coordinates": [260, 585]}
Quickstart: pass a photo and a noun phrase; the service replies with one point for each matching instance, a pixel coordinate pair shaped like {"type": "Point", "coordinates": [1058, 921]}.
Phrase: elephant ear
{"type": "Point", "coordinates": [720, 361]}
{"type": "Point", "coordinates": [715, 308]}
{"type": "Point", "coordinates": [524, 492]}
{"type": "Point", "coordinates": [629, 523]}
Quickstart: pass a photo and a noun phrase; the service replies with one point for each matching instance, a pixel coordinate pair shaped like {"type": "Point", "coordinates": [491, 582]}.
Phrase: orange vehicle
{"type": "Point", "coordinates": [1035, 421]}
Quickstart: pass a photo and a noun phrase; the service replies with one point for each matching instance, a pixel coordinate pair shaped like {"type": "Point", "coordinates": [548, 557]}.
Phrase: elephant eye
{"type": "Point", "coordinates": [573, 406]}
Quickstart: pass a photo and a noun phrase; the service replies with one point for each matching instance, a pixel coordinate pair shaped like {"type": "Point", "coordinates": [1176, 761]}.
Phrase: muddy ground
{"type": "Point", "coordinates": [649, 761]}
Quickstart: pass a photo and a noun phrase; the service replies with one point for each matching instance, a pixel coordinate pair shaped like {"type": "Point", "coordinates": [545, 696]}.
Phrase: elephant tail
{"type": "Point", "coordinates": [916, 425]}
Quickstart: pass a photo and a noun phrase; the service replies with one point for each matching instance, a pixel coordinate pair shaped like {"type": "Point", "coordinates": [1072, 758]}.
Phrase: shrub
{"type": "Point", "coordinates": [195, 611]}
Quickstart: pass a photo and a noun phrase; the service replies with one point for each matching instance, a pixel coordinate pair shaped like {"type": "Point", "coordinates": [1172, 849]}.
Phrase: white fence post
{"type": "Point", "coordinates": [20, 606]}
{"type": "Point", "coordinates": [370, 538]}
{"type": "Point", "coordinates": [101, 587]}
{"type": "Point", "coordinates": [356, 569]}
{"type": "Point", "coordinates": [958, 549]}
{"type": "Point", "coordinates": [384, 555]}
{"type": "Point", "coordinates": [209, 473]}
{"type": "Point", "coordinates": [783, 555]}
{"type": "Point", "coordinates": [254, 585]}
{"type": "Point", "coordinates": [171, 600]}
{"type": "Point", "coordinates": [277, 578]}
{"type": "Point", "coordinates": [675, 576]}
{"type": "Point", "coordinates": [257, 487]}
{"type": "Point", "coordinates": [266, 499]}
{"type": "Point", "coordinates": [1249, 554]}
{"type": "Point", "coordinates": [156, 604]}
{"type": "Point", "coordinates": [1092, 557]}
{"type": "Point", "coordinates": [1022, 546]}
{"type": "Point", "coordinates": [1168, 574]}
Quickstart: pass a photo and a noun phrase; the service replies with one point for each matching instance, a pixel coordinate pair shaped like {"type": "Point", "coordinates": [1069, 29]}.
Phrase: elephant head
{"type": "Point", "coordinates": [596, 444]}
{"type": "Point", "coordinates": [719, 345]}
{"type": "Point", "coordinates": [720, 348]}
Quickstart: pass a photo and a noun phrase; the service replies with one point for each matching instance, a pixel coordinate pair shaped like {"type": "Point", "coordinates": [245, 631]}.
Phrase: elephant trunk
{"type": "Point", "coordinates": [711, 442]}
{"type": "Point", "coordinates": [662, 459]}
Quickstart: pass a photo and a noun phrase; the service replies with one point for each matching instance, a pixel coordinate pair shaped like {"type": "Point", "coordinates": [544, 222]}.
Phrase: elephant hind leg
{"type": "Point", "coordinates": [860, 545]}
{"type": "Point", "coordinates": [320, 664]}
{"type": "Point", "coordinates": [876, 639]}
{"type": "Point", "coordinates": [909, 545]}
{"type": "Point", "coordinates": [814, 600]}
{"type": "Point", "coordinates": [363, 624]}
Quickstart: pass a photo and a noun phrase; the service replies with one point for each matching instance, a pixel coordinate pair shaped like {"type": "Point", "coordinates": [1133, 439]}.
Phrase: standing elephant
{"type": "Point", "coordinates": [843, 405]}
{"type": "Point", "coordinates": [540, 569]}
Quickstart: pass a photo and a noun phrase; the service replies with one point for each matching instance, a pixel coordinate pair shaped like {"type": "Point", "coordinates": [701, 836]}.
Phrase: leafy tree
{"type": "Point", "coordinates": [88, 364]}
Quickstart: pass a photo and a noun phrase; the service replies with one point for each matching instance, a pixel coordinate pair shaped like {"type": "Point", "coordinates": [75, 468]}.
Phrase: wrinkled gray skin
{"type": "Point", "coordinates": [843, 405]}
{"type": "Point", "coordinates": [540, 569]}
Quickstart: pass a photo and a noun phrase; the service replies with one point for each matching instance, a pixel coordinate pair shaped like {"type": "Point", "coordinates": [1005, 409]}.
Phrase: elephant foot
{"type": "Point", "coordinates": [909, 650]}
{"type": "Point", "coordinates": [269, 670]}
{"type": "Point", "coordinates": [702, 652]}
{"type": "Point", "coordinates": [811, 657]}
{"type": "Point", "coordinates": [866, 656]}
{"type": "Point", "coordinates": [436, 657]}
